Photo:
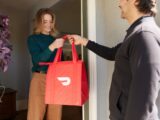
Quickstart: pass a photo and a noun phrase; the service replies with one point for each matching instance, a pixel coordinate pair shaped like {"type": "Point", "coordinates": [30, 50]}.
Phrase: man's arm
{"type": "Point", "coordinates": [103, 51]}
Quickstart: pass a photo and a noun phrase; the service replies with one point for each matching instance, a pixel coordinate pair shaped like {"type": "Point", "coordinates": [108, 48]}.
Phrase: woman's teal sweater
{"type": "Point", "coordinates": [38, 47]}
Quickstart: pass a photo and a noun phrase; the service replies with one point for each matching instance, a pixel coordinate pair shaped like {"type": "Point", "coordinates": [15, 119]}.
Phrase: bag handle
{"type": "Point", "coordinates": [59, 52]}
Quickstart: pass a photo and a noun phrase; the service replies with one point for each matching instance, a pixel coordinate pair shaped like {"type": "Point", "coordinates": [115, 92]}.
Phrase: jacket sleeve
{"type": "Point", "coordinates": [103, 51]}
{"type": "Point", "coordinates": [145, 68]}
{"type": "Point", "coordinates": [36, 53]}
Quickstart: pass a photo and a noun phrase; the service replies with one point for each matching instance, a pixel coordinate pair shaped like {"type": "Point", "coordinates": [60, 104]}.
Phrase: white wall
{"type": "Point", "coordinates": [17, 76]}
{"type": "Point", "coordinates": [110, 30]}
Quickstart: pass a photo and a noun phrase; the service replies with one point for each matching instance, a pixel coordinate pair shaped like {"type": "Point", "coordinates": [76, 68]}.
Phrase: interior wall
{"type": "Point", "coordinates": [110, 30]}
{"type": "Point", "coordinates": [18, 74]}
{"type": "Point", "coordinates": [103, 82]}
{"type": "Point", "coordinates": [68, 16]}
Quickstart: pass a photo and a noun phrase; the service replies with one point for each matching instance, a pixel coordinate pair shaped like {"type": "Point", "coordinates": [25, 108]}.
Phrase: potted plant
{"type": "Point", "coordinates": [5, 46]}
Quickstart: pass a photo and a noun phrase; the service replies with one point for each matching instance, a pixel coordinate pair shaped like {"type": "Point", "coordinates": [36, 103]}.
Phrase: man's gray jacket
{"type": "Point", "coordinates": [136, 78]}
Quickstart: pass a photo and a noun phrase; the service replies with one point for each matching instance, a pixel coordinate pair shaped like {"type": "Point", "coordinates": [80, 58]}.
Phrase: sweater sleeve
{"type": "Point", "coordinates": [103, 51]}
{"type": "Point", "coordinates": [145, 68]}
{"type": "Point", "coordinates": [36, 53]}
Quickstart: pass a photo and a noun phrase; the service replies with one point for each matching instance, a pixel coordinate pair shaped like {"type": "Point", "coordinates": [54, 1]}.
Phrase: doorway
{"type": "Point", "coordinates": [69, 21]}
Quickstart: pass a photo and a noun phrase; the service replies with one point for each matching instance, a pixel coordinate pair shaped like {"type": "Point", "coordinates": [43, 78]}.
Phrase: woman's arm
{"type": "Point", "coordinates": [42, 56]}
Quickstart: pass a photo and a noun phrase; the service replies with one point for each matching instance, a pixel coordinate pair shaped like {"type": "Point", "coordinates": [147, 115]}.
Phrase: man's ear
{"type": "Point", "coordinates": [136, 2]}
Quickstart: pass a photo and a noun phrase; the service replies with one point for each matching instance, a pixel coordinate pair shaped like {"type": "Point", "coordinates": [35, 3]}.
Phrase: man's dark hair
{"type": "Point", "coordinates": [147, 6]}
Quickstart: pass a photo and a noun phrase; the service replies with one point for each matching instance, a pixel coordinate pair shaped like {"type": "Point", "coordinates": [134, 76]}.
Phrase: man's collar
{"type": "Point", "coordinates": [138, 21]}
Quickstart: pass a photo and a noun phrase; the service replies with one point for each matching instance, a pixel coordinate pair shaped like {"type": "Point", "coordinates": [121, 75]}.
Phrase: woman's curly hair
{"type": "Point", "coordinates": [38, 21]}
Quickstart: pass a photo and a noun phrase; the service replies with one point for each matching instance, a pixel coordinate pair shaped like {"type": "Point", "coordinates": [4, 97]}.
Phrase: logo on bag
{"type": "Point", "coordinates": [65, 81]}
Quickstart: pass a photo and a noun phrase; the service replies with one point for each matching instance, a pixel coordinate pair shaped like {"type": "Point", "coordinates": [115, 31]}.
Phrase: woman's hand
{"type": "Point", "coordinates": [56, 44]}
{"type": "Point", "coordinates": [78, 40]}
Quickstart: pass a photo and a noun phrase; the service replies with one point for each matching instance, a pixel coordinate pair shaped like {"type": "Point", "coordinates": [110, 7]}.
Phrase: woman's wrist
{"type": "Point", "coordinates": [51, 47]}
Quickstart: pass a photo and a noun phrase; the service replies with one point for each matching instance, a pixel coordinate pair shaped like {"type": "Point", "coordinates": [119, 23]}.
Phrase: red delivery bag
{"type": "Point", "coordinates": [66, 81]}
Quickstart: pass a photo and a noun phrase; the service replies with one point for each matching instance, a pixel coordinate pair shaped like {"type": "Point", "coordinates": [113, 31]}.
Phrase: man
{"type": "Point", "coordinates": [136, 78]}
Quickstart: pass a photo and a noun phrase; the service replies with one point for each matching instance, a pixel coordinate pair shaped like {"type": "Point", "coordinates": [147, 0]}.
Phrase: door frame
{"type": "Point", "coordinates": [91, 34]}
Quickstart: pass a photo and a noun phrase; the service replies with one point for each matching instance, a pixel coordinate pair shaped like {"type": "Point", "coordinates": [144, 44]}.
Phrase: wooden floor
{"type": "Point", "coordinates": [69, 113]}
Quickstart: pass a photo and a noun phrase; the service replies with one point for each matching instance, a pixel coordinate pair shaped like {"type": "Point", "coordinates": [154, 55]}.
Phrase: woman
{"type": "Point", "coordinates": [42, 47]}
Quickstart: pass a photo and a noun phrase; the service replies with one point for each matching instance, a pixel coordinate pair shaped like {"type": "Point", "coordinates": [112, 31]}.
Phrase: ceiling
{"type": "Point", "coordinates": [21, 4]}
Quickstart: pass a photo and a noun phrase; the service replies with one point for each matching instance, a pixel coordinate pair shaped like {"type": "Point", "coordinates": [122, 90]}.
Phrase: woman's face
{"type": "Point", "coordinates": [47, 24]}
